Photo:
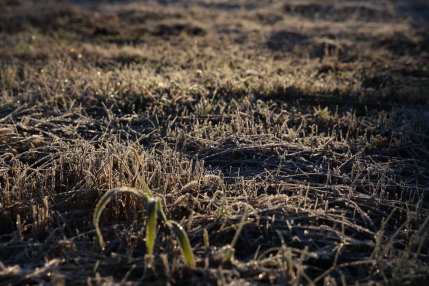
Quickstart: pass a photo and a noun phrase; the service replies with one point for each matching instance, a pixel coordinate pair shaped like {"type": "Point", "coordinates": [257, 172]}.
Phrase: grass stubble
{"type": "Point", "coordinates": [287, 141]}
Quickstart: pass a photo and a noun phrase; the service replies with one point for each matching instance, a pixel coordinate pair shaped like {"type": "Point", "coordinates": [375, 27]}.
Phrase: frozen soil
{"type": "Point", "coordinates": [305, 120]}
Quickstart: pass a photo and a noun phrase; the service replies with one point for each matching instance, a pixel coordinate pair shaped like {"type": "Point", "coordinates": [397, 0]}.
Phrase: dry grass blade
{"type": "Point", "coordinates": [229, 255]}
{"type": "Point", "coordinates": [101, 205]}
{"type": "Point", "coordinates": [312, 114]}
{"type": "Point", "coordinates": [141, 180]}
{"type": "Point", "coordinates": [146, 189]}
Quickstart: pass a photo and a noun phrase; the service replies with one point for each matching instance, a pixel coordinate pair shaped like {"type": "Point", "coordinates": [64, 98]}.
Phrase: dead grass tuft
{"type": "Point", "coordinates": [289, 139]}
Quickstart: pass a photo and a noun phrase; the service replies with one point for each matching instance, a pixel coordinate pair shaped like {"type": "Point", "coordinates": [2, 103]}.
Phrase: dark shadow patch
{"type": "Point", "coordinates": [324, 47]}
{"type": "Point", "coordinates": [377, 81]}
{"type": "Point", "coordinates": [339, 13]}
{"type": "Point", "coordinates": [52, 18]}
{"type": "Point", "coordinates": [267, 18]}
{"type": "Point", "coordinates": [138, 17]}
{"type": "Point", "coordinates": [401, 45]}
{"type": "Point", "coordinates": [360, 12]}
{"type": "Point", "coordinates": [418, 10]}
{"type": "Point", "coordinates": [307, 10]}
{"type": "Point", "coordinates": [62, 19]}
{"type": "Point", "coordinates": [230, 5]}
{"type": "Point", "coordinates": [175, 29]}
{"type": "Point", "coordinates": [235, 32]}
{"type": "Point", "coordinates": [286, 41]}
{"type": "Point", "coordinates": [12, 3]}
{"type": "Point", "coordinates": [104, 31]}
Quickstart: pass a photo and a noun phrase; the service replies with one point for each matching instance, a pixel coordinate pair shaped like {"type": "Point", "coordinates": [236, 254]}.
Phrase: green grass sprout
{"type": "Point", "coordinates": [154, 208]}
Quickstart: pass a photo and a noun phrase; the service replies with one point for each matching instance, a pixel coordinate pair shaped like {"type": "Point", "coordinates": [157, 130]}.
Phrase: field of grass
{"type": "Point", "coordinates": [291, 134]}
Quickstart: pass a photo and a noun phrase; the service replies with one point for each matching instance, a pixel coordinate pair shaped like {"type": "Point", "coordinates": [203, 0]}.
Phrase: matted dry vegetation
{"type": "Point", "coordinates": [311, 116]}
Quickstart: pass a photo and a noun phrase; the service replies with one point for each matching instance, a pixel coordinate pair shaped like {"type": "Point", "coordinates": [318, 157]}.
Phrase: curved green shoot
{"type": "Point", "coordinates": [185, 245]}
{"type": "Point", "coordinates": [154, 208]}
{"type": "Point", "coordinates": [101, 205]}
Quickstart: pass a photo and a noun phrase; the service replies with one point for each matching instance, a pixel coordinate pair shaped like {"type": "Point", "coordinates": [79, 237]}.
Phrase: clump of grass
{"type": "Point", "coordinates": [154, 208]}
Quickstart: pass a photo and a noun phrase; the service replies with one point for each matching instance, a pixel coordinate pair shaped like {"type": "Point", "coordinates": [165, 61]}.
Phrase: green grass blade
{"type": "Point", "coordinates": [185, 245]}
{"type": "Point", "coordinates": [101, 205]}
{"type": "Point", "coordinates": [152, 211]}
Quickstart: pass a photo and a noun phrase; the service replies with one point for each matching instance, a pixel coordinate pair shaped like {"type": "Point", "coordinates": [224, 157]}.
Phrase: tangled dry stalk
{"type": "Point", "coordinates": [283, 128]}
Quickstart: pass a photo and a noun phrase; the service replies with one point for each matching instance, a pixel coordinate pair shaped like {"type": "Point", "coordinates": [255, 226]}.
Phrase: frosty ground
{"type": "Point", "coordinates": [309, 116]}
